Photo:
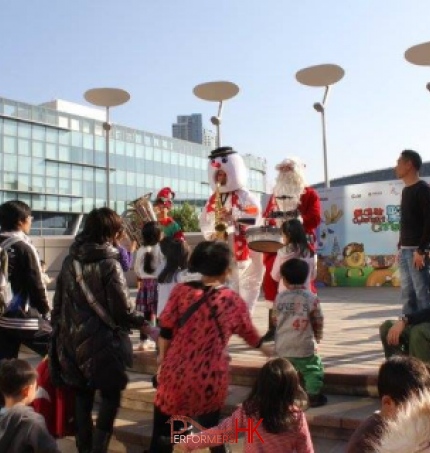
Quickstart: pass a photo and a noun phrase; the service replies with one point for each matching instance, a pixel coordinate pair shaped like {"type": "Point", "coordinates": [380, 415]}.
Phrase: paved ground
{"type": "Point", "coordinates": [352, 317]}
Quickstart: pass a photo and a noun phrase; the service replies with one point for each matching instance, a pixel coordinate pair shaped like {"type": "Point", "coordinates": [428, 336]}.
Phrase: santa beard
{"type": "Point", "coordinates": [292, 185]}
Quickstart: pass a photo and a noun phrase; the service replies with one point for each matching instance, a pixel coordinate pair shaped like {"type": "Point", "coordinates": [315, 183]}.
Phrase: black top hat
{"type": "Point", "coordinates": [221, 151]}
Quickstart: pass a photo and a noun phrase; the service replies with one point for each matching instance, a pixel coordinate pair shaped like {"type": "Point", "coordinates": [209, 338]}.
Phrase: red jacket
{"type": "Point", "coordinates": [55, 404]}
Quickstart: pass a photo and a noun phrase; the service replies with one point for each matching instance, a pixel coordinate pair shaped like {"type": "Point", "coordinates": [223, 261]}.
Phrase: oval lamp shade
{"type": "Point", "coordinates": [320, 75]}
{"type": "Point", "coordinates": [107, 97]}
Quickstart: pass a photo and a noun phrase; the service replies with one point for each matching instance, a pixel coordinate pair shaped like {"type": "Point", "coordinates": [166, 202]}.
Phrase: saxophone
{"type": "Point", "coordinates": [221, 226]}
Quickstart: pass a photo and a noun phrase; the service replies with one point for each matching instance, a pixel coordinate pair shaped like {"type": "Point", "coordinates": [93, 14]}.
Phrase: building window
{"type": "Point", "coordinates": [11, 163]}
{"type": "Point", "coordinates": [9, 145]}
{"type": "Point", "coordinates": [10, 127]}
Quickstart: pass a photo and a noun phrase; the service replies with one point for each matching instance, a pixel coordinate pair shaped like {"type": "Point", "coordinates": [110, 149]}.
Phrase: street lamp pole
{"type": "Point", "coordinates": [320, 108]}
{"type": "Point", "coordinates": [321, 76]}
{"type": "Point", "coordinates": [107, 127]}
{"type": "Point", "coordinates": [216, 92]}
{"type": "Point", "coordinates": [324, 139]}
{"type": "Point", "coordinates": [107, 97]}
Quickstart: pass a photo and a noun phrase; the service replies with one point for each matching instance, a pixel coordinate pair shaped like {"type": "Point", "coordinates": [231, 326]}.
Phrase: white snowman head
{"type": "Point", "coordinates": [227, 168]}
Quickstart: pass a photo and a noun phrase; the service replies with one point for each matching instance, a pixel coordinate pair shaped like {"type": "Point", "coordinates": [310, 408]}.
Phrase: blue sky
{"type": "Point", "coordinates": [158, 50]}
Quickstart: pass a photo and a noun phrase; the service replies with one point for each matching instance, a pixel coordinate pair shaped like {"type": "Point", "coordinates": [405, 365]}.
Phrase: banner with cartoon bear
{"type": "Point", "coordinates": [358, 236]}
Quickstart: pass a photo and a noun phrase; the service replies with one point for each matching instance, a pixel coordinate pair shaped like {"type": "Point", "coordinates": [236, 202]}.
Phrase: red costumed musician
{"type": "Point", "coordinates": [291, 198]}
{"type": "Point", "coordinates": [162, 206]}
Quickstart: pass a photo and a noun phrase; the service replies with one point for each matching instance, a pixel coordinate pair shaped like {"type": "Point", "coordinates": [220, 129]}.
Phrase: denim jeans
{"type": "Point", "coordinates": [415, 294]}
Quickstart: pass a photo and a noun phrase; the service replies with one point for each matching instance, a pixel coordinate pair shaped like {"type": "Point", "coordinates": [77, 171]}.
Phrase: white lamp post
{"type": "Point", "coordinates": [107, 97]}
{"type": "Point", "coordinates": [419, 55]}
{"type": "Point", "coordinates": [323, 75]}
{"type": "Point", "coordinates": [216, 92]}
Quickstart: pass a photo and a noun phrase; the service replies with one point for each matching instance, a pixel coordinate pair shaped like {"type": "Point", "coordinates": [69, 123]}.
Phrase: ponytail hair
{"type": "Point", "coordinates": [176, 253]}
{"type": "Point", "coordinates": [296, 234]}
{"type": "Point", "coordinates": [151, 235]}
{"type": "Point", "coordinates": [148, 263]}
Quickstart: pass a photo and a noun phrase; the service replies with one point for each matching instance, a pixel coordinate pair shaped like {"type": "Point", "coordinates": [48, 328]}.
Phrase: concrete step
{"type": "Point", "coordinates": [330, 425]}
{"type": "Point", "coordinates": [340, 381]}
{"type": "Point", "coordinates": [139, 394]}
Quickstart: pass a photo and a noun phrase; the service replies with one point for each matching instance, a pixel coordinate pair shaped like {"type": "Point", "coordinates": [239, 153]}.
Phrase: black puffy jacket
{"type": "Point", "coordinates": [82, 350]}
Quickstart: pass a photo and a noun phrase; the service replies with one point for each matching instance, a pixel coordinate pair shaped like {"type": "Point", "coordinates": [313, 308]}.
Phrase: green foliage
{"type": "Point", "coordinates": [186, 215]}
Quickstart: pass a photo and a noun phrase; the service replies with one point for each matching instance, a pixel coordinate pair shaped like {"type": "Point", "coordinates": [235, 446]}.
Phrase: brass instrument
{"type": "Point", "coordinates": [140, 212]}
{"type": "Point", "coordinates": [221, 226]}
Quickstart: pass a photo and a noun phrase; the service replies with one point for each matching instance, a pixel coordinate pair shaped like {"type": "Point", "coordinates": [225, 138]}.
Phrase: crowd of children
{"type": "Point", "coordinates": [176, 288]}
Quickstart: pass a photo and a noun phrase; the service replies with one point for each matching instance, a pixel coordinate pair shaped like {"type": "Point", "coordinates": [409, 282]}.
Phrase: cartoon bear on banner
{"type": "Point", "coordinates": [238, 207]}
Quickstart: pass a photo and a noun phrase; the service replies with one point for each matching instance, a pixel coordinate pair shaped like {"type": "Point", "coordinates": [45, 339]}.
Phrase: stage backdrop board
{"type": "Point", "coordinates": [357, 239]}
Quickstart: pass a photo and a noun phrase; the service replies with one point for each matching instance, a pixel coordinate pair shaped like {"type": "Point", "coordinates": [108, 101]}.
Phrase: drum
{"type": "Point", "coordinates": [266, 239]}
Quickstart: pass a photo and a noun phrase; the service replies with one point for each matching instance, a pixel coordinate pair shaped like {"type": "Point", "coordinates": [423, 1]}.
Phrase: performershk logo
{"type": "Point", "coordinates": [216, 436]}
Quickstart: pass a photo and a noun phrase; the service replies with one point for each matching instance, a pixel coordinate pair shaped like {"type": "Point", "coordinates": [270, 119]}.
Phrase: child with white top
{"type": "Point", "coordinates": [148, 260]}
{"type": "Point", "coordinates": [296, 246]}
{"type": "Point", "coordinates": [173, 269]}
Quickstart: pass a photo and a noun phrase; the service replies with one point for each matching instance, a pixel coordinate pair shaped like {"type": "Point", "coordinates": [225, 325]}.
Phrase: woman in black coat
{"type": "Point", "coordinates": [86, 353]}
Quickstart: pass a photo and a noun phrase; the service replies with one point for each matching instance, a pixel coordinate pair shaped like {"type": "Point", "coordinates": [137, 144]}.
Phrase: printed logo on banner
{"type": "Point", "coordinates": [393, 213]}
{"type": "Point", "coordinates": [368, 215]}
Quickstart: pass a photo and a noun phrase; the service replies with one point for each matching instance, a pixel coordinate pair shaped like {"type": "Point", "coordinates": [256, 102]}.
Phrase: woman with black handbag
{"type": "Point", "coordinates": [91, 318]}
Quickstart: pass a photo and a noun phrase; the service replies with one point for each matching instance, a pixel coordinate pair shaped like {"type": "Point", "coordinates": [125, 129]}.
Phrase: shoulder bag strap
{"type": "Point", "coordinates": [193, 308]}
{"type": "Point", "coordinates": [98, 309]}
{"type": "Point", "coordinates": [7, 243]}
{"type": "Point", "coordinates": [214, 311]}
{"type": "Point", "coordinates": [4, 262]}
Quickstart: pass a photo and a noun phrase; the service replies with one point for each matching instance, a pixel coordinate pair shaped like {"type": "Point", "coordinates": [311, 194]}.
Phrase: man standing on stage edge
{"type": "Point", "coordinates": [413, 259]}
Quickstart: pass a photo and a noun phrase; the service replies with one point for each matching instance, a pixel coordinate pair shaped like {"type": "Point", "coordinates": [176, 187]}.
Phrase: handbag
{"type": "Point", "coordinates": [121, 338]}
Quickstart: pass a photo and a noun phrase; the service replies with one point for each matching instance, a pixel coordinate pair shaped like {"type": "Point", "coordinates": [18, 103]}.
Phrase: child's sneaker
{"type": "Point", "coordinates": [145, 345]}
{"type": "Point", "coordinates": [317, 400]}
{"type": "Point", "coordinates": [140, 346]}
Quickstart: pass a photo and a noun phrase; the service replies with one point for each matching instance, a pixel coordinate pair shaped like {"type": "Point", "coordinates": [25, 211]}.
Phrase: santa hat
{"type": "Point", "coordinates": [165, 197]}
{"type": "Point", "coordinates": [291, 163]}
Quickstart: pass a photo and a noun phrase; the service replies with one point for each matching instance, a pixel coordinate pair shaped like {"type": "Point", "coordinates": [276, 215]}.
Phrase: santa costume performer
{"type": "Point", "coordinates": [291, 198]}
{"type": "Point", "coordinates": [163, 204]}
{"type": "Point", "coordinates": [235, 206]}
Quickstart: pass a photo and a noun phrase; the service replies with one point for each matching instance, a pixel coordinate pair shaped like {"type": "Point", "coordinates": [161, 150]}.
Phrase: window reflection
{"type": "Point", "coordinates": [143, 162]}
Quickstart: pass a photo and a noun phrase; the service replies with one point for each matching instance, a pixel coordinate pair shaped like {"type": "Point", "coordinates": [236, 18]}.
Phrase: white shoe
{"type": "Point", "coordinates": [145, 345]}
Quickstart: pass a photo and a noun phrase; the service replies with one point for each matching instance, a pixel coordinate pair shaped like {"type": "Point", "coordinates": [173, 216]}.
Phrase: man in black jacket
{"type": "Point", "coordinates": [25, 322]}
{"type": "Point", "coordinates": [413, 261]}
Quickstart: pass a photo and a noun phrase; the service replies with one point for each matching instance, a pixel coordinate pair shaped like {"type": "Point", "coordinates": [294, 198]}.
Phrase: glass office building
{"type": "Point", "coordinates": [56, 162]}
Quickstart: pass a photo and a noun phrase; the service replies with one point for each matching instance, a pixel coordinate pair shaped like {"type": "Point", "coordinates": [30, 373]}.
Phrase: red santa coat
{"type": "Point", "coordinates": [310, 210]}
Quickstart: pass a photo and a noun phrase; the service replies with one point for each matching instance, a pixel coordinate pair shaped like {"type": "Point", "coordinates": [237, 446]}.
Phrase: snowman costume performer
{"type": "Point", "coordinates": [227, 178]}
